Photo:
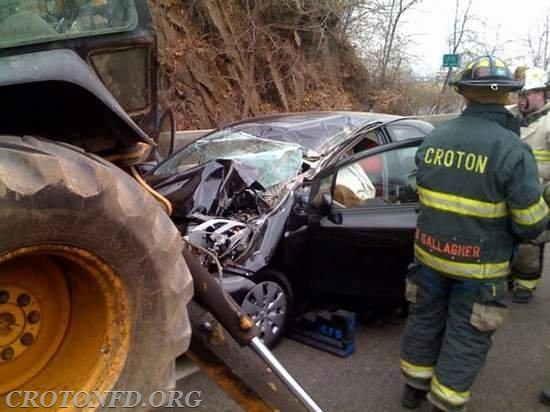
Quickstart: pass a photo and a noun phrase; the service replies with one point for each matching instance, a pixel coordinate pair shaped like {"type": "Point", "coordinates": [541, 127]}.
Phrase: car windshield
{"type": "Point", "coordinates": [37, 21]}
{"type": "Point", "coordinates": [277, 162]}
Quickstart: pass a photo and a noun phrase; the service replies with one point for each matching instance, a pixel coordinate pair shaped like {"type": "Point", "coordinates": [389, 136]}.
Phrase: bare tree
{"type": "Point", "coordinates": [374, 26]}
{"type": "Point", "coordinates": [395, 9]}
{"type": "Point", "coordinates": [538, 43]}
{"type": "Point", "coordinates": [462, 18]}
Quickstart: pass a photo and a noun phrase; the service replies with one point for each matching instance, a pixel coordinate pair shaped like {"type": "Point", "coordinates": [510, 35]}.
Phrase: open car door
{"type": "Point", "coordinates": [362, 219]}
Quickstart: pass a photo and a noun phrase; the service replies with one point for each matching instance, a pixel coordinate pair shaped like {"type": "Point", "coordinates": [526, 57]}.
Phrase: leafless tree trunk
{"type": "Point", "coordinates": [538, 44]}
{"type": "Point", "coordinates": [395, 11]}
{"type": "Point", "coordinates": [461, 19]}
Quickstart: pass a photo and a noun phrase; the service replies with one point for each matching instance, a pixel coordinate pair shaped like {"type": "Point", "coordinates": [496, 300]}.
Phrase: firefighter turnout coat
{"type": "Point", "coordinates": [535, 131]}
{"type": "Point", "coordinates": [479, 194]}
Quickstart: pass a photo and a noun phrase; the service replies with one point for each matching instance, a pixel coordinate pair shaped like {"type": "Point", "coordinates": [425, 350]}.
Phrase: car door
{"type": "Point", "coordinates": [361, 224]}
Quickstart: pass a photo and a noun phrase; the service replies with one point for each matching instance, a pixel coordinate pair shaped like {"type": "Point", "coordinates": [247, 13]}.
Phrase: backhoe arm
{"type": "Point", "coordinates": [221, 344]}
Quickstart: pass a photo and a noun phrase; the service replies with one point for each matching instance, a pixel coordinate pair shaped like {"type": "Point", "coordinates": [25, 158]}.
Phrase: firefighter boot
{"type": "Point", "coordinates": [412, 397]}
{"type": "Point", "coordinates": [544, 396]}
{"type": "Point", "coordinates": [522, 294]}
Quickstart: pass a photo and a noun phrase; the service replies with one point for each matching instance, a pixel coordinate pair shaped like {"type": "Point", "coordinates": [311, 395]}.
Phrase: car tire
{"type": "Point", "coordinates": [269, 303]}
{"type": "Point", "coordinates": [91, 261]}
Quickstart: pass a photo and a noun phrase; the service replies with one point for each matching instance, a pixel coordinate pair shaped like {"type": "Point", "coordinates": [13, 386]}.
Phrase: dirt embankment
{"type": "Point", "coordinates": [224, 60]}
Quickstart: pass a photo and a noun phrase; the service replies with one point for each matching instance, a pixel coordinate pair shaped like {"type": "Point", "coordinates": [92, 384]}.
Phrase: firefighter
{"type": "Point", "coordinates": [479, 193]}
{"type": "Point", "coordinates": [532, 109]}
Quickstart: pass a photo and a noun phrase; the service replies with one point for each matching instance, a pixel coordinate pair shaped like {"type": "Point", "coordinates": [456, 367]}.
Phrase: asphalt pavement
{"type": "Point", "coordinates": [369, 379]}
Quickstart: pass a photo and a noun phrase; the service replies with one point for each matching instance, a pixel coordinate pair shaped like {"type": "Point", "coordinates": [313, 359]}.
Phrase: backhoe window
{"type": "Point", "coordinates": [36, 21]}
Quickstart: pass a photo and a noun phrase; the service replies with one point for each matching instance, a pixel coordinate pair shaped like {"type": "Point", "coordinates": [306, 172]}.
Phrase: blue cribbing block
{"type": "Point", "coordinates": [331, 331]}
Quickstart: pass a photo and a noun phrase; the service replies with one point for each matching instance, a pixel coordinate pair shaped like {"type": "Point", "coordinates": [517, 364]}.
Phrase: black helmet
{"type": "Point", "coordinates": [486, 71]}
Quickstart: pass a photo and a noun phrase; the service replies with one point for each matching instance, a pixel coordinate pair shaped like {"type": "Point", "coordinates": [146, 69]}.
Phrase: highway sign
{"type": "Point", "coordinates": [451, 60]}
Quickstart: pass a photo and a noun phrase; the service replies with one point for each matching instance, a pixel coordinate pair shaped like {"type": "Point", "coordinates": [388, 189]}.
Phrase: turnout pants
{"type": "Point", "coordinates": [448, 333]}
{"type": "Point", "coordinates": [527, 265]}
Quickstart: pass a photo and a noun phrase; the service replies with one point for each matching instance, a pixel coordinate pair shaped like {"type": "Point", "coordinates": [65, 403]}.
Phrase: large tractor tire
{"type": "Point", "coordinates": [93, 286]}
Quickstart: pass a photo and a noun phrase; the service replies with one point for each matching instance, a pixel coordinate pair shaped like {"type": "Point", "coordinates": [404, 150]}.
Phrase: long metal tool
{"type": "Point", "coordinates": [209, 293]}
{"type": "Point", "coordinates": [258, 346]}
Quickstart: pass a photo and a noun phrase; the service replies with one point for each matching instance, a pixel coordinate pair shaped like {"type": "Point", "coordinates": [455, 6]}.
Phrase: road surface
{"type": "Point", "coordinates": [369, 380]}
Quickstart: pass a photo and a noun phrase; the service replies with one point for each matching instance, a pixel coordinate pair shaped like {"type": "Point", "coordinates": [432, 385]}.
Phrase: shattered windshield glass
{"type": "Point", "coordinates": [36, 21]}
{"type": "Point", "coordinates": [277, 162]}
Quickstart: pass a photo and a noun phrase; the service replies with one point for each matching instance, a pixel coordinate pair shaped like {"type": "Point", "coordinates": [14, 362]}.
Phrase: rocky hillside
{"type": "Point", "coordinates": [224, 60]}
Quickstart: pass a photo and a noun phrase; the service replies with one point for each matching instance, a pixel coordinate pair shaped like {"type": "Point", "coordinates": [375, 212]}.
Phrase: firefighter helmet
{"type": "Point", "coordinates": [519, 73]}
{"type": "Point", "coordinates": [486, 72]}
{"type": "Point", "coordinates": [532, 78]}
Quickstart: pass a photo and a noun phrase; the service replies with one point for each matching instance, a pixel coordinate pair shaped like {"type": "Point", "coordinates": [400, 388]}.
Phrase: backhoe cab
{"type": "Point", "coordinates": [80, 71]}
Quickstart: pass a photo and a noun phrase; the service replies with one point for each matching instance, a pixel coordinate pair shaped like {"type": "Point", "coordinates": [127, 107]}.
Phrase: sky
{"type": "Point", "coordinates": [431, 23]}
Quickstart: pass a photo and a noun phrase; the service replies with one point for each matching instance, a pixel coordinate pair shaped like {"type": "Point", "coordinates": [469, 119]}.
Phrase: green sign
{"type": "Point", "coordinates": [451, 60]}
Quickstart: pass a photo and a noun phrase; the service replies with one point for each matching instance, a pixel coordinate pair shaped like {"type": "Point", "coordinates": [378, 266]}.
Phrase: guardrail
{"type": "Point", "coordinates": [436, 119]}
{"type": "Point", "coordinates": [185, 137]}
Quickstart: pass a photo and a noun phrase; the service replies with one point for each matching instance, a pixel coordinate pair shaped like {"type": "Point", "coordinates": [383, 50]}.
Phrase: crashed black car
{"type": "Point", "coordinates": [295, 209]}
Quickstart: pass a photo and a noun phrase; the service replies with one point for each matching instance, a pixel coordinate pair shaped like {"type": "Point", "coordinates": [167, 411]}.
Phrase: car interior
{"type": "Point", "coordinates": [381, 179]}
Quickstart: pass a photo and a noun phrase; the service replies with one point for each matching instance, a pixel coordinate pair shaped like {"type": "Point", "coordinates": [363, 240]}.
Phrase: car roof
{"type": "Point", "coordinates": [304, 118]}
{"type": "Point", "coordinates": [312, 130]}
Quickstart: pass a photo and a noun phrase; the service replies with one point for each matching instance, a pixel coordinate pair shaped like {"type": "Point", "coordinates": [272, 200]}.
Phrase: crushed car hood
{"type": "Point", "coordinates": [208, 189]}
{"type": "Point", "coordinates": [239, 226]}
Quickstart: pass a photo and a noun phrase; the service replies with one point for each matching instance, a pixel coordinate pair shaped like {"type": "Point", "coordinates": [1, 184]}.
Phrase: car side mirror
{"type": "Point", "coordinates": [322, 202]}
{"type": "Point", "coordinates": [166, 143]}
{"type": "Point", "coordinates": [325, 204]}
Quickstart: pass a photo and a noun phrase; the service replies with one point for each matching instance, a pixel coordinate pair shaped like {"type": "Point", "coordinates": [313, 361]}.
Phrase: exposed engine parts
{"type": "Point", "coordinates": [224, 238]}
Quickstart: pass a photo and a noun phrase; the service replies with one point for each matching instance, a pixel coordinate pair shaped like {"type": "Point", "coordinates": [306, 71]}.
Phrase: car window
{"type": "Point", "coordinates": [325, 184]}
{"type": "Point", "coordinates": [369, 140]}
{"type": "Point", "coordinates": [400, 132]}
{"type": "Point", "coordinates": [353, 187]}
{"type": "Point", "coordinates": [325, 187]}
{"type": "Point", "coordinates": [387, 178]}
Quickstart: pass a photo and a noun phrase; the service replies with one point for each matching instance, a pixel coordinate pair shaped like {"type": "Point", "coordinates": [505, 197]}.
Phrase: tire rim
{"type": "Point", "coordinates": [266, 304]}
{"type": "Point", "coordinates": [64, 322]}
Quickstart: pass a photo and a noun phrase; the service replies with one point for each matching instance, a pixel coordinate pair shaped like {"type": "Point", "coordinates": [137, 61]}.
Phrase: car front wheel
{"type": "Point", "coordinates": [269, 304]}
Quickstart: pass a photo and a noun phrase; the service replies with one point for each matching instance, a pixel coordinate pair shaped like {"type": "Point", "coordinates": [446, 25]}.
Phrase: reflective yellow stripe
{"type": "Point", "coordinates": [529, 284]}
{"type": "Point", "coordinates": [461, 205]}
{"type": "Point", "coordinates": [447, 394]}
{"type": "Point", "coordinates": [532, 215]}
{"type": "Point", "coordinates": [415, 371]}
{"type": "Point", "coordinates": [542, 155]}
{"type": "Point", "coordinates": [465, 270]}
